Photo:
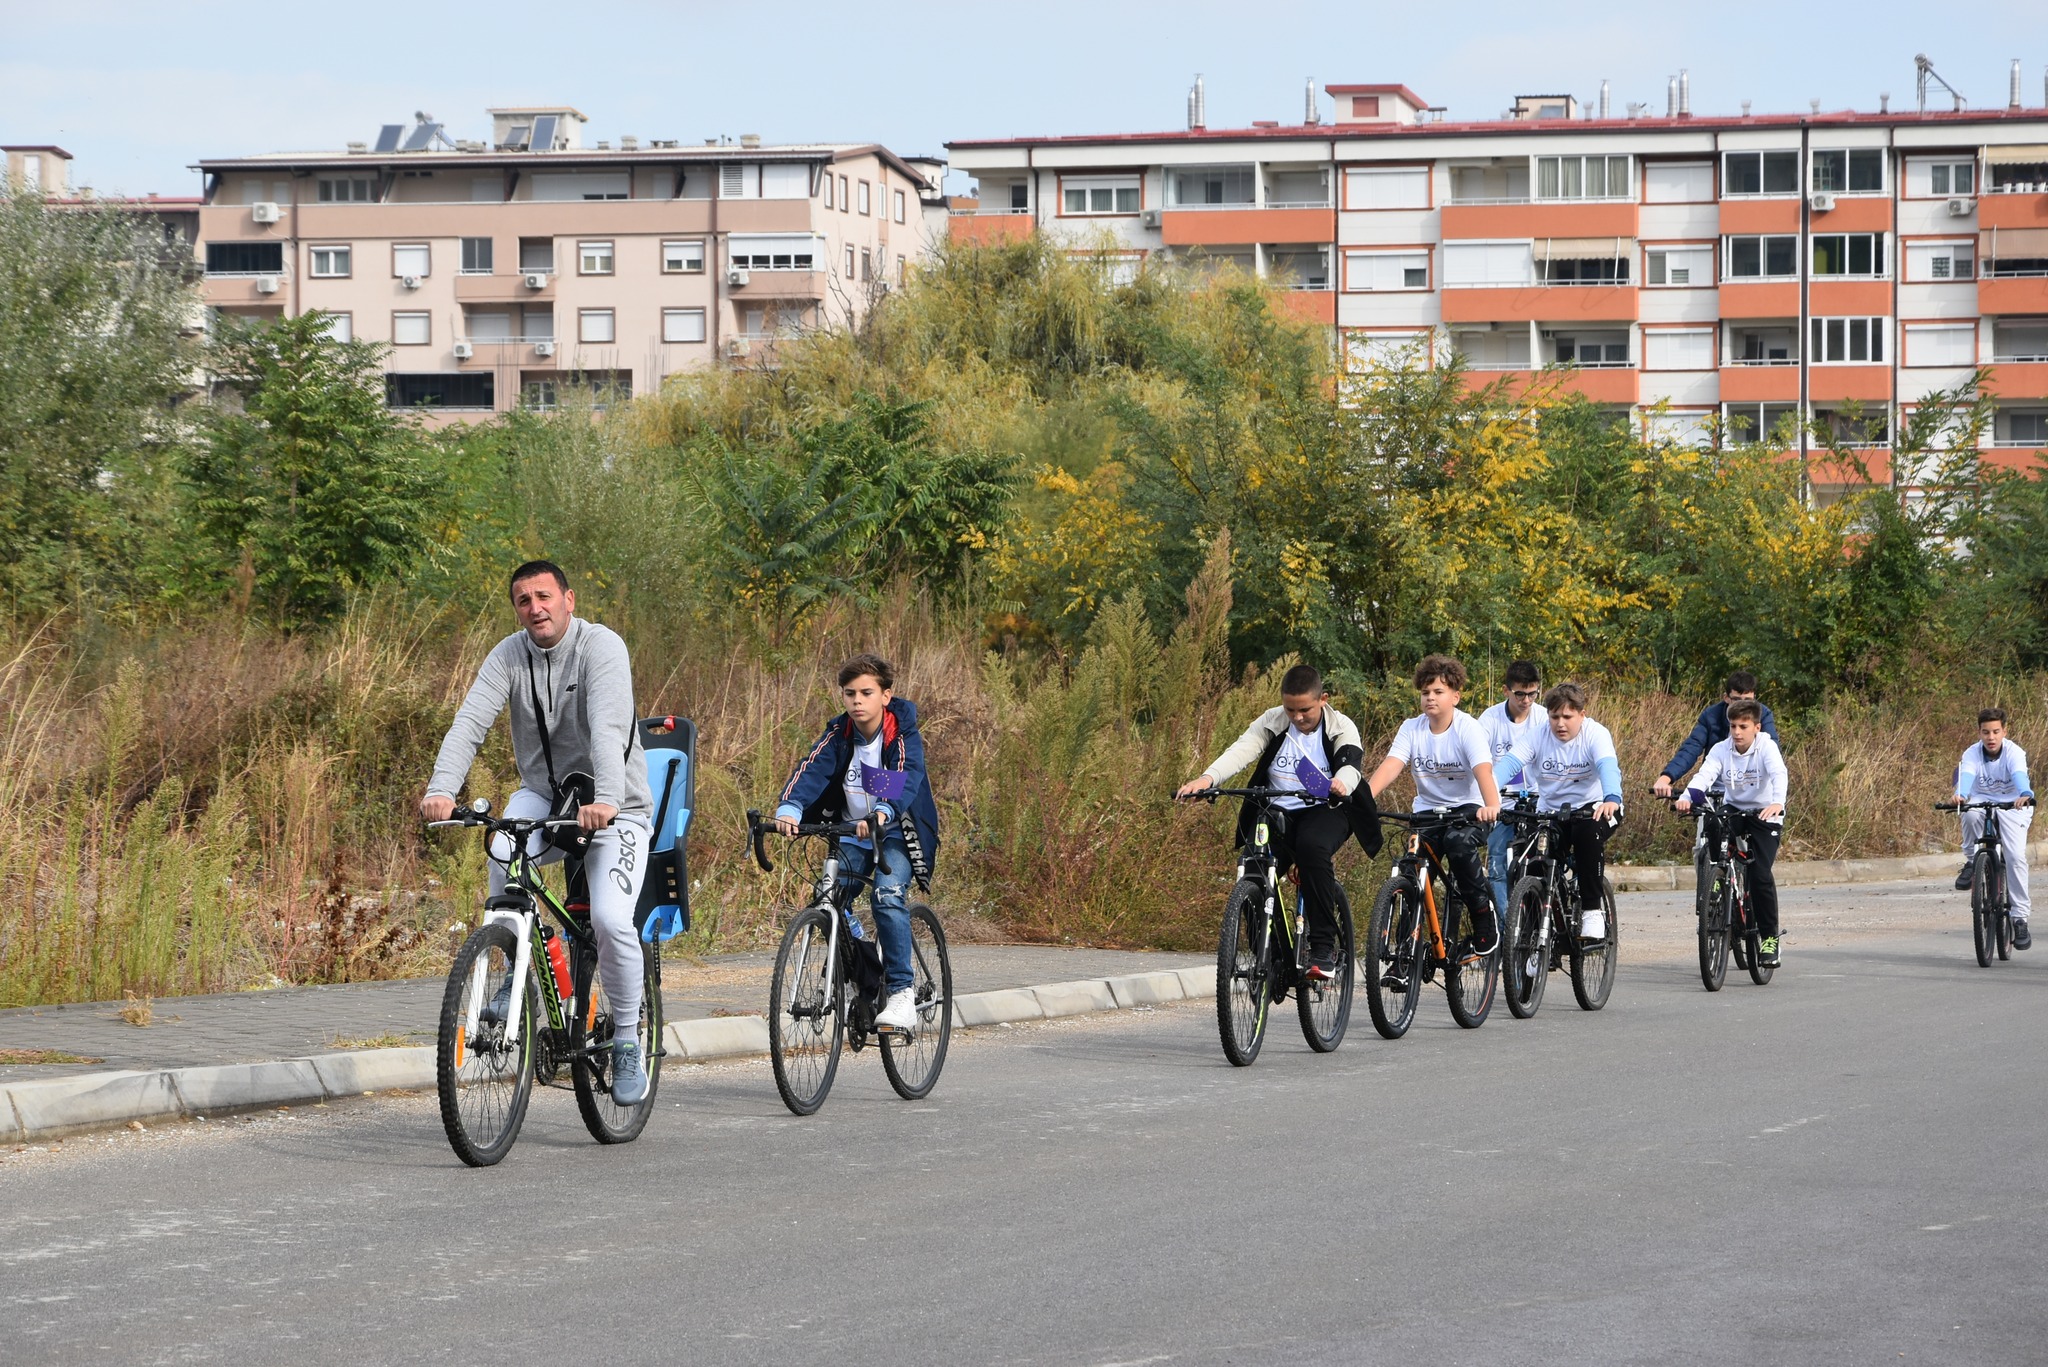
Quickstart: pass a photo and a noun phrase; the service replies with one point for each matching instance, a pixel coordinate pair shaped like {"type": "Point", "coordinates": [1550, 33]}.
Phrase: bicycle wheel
{"type": "Point", "coordinates": [1735, 906]}
{"type": "Point", "coordinates": [1243, 973]}
{"type": "Point", "coordinates": [1709, 906]}
{"type": "Point", "coordinates": [805, 1027]}
{"type": "Point", "coordinates": [1528, 968]}
{"type": "Point", "coordinates": [1593, 961]}
{"type": "Point", "coordinates": [608, 1121]}
{"type": "Point", "coordinates": [484, 1079]}
{"type": "Point", "coordinates": [1325, 1008]}
{"type": "Point", "coordinates": [2001, 910]}
{"type": "Point", "coordinates": [1753, 943]}
{"type": "Point", "coordinates": [1392, 958]}
{"type": "Point", "coordinates": [913, 1064]}
{"type": "Point", "coordinates": [1981, 908]}
{"type": "Point", "coordinates": [1470, 979]}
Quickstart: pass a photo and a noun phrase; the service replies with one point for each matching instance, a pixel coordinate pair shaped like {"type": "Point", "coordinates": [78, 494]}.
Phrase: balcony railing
{"type": "Point", "coordinates": [984, 213]}
{"type": "Point", "coordinates": [2019, 358]}
{"type": "Point", "coordinates": [1198, 208]}
{"type": "Point", "coordinates": [2020, 443]}
{"type": "Point", "coordinates": [1763, 361]}
{"type": "Point", "coordinates": [1503, 199]}
{"type": "Point", "coordinates": [1992, 271]}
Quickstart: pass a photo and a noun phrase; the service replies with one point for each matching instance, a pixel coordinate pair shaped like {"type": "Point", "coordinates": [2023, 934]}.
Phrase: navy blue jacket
{"type": "Point", "coordinates": [1708, 732]}
{"type": "Point", "coordinates": [814, 791]}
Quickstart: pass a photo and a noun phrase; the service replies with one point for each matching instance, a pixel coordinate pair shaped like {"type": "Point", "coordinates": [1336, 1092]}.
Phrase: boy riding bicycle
{"type": "Point", "coordinates": [899, 836]}
{"type": "Point", "coordinates": [1995, 770]}
{"type": "Point", "coordinates": [1749, 768]}
{"type": "Point", "coordinates": [1516, 717]}
{"type": "Point", "coordinates": [1447, 752]}
{"type": "Point", "coordinates": [1304, 727]}
{"type": "Point", "coordinates": [568, 685]}
{"type": "Point", "coordinates": [1712, 728]}
{"type": "Point", "coordinates": [1574, 760]}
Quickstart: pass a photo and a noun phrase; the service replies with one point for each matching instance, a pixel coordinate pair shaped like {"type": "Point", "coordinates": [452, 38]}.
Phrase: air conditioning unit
{"type": "Point", "coordinates": [544, 348]}
{"type": "Point", "coordinates": [536, 280]}
{"type": "Point", "coordinates": [1961, 207]}
{"type": "Point", "coordinates": [264, 212]}
{"type": "Point", "coordinates": [1149, 217]}
{"type": "Point", "coordinates": [411, 282]}
{"type": "Point", "coordinates": [266, 284]}
{"type": "Point", "coordinates": [464, 350]}
{"type": "Point", "coordinates": [1822, 201]}
{"type": "Point", "coordinates": [735, 277]}
{"type": "Point", "coordinates": [737, 346]}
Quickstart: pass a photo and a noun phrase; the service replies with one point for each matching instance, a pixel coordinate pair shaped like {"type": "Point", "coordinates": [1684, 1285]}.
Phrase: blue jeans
{"type": "Point", "coordinates": [1497, 841]}
{"type": "Point", "coordinates": [892, 919]}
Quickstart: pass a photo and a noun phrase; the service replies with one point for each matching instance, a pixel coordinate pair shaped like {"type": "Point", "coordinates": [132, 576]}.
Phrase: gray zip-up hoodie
{"type": "Point", "coordinates": [585, 683]}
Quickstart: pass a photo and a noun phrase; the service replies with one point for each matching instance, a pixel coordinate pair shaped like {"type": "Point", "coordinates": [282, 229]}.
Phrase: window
{"type": "Point", "coordinates": [1212, 185]}
{"type": "Point", "coordinates": [1678, 182]}
{"type": "Point", "coordinates": [1380, 271]}
{"type": "Point", "coordinates": [682, 325]}
{"type": "Point", "coordinates": [1760, 173]}
{"type": "Point", "coordinates": [537, 323]}
{"type": "Point", "coordinates": [594, 258]}
{"type": "Point", "coordinates": [1848, 254]}
{"type": "Point", "coordinates": [775, 252]}
{"type": "Point", "coordinates": [1770, 345]}
{"type": "Point", "coordinates": [686, 258]}
{"type": "Point", "coordinates": [1582, 178]}
{"type": "Point", "coordinates": [1607, 349]}
{"type": "Point", "coordinates": [414, 259]}
{"type": "Point", "coordinates": [1755, 421]}
{"type": "Point", "coordinates": [594, 325]}
{"type": "Point", "coordinates": [412, 329]}
{"type": "Point", "coordinates": [1870, 426]}
{"type": "Point", "coordinates": [1365, 106]}
{"type": "Point", "coordinates": [1678, 267]}
{"type": "Point", "coordinates": [1020, 197]}
{"type": "Point", "coordinates": [1505, 349]}
{"type": "Point", "coordinates": [487, 190]}
{"type": "Point", "coordinates": [1773, 257]}
{"type": "Point", "coordinates": [488, 325]}
{"type": "Point", "coordinates": [1933, 262]}
{"type": "Point", "coordinates": [460, 389]}
{"type": "Point", "coordinates": [1846, 340]}
{"type": "Point", "coordinates": [329, 263]}
{"type": "Point", "coordinates": [1950, 344]}
{"type": "Point", "coordinates": [2019, 339]}
{"type": "Point", "coordinates": [1486, 263]}
{"type": "Point", "coordinates": [244, 258]}
{"type": "Point", "coordinates": [477, 255]}
{"type": "Point", "coordinates": [1678, 349]}
{"type": "Point", "coordinates": [786, 181]}
{"type": "Point", "coordinates": [827, 178]}
{"type": "Point", "coordinates": [536, 254]}
{"type": "Point", "coordinates": [1927, 178]}
{"type": "Point", "coordinates": [352, 190]}
{"type": "Point", "coordinates": [1858, 171]}
{"type": "Point", "coordinates": [849, 262]}
{"type": "Point", "coordinates": [845, 202]}
{"type": "Point", "coordinates": [899, 206]}
{"type": "Point", "coordinates": [341, 327]}
{"type": "Point", "coordinates": [1388, 350]}
{"type": "Point", "coordinates": [1401, 187]}
{"type": "Point", "coordinates": [556, 187]}
{"type": "Point", "coordinates": [1568, 261]}
{"type": "Point", "coordinates": [1490, 184]}
{"type": "Point", "coordinates": [733, 181]}
{"type": "Point", "coordinates": [1099, 195]}
{"type": "Point", "coordinates": [866, 265]}
{"type": "Point", "coordinates": [1681, 427]}
{"type": "Point", "coordinates": [2026, 427]}
{"type": "Point", "coordinates": [864, 197]}
{"type": "Point", "coordinates": [538, 394]}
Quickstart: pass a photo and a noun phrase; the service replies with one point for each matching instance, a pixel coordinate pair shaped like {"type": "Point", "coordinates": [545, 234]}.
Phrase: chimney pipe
{"type": "Point", "coordinates": [1198, 113]}
{"type": "Point", "coordinates": [1684, 93]}
{"type": "Point", "coordinates": [1671, 99]}
{"type": "Point", "coordinates": [1884, 101]}
{"type": "Point", "coordinates": [1603, 99]}
{"type": "Point", "coordinates": [1745, 109]}
{"type": "Point", "coordinates": [2014, 101]}
{"type": "Point", "coordinates": [1311, 115]}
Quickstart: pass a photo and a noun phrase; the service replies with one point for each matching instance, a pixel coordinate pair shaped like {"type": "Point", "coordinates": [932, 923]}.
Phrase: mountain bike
{"type": "Point", "coordinates": [1721, 904]}
{"type": "Point", "coordinates": [1409, 939]}
{"type": "Point", "coordinates": [828, 984]}
{"type": "Point", "coordinates": [1542, 930]}
{"type": "Point", "coordinates": [496, 1042]}
{"type": "Point", "coordinates": [1252, 970]}
{"type": "Point", "coordinates": [1990, 895]}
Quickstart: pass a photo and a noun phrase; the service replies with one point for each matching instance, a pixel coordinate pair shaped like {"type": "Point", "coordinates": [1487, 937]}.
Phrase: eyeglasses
{"type": "Point", "coordinates": [1525, 693]}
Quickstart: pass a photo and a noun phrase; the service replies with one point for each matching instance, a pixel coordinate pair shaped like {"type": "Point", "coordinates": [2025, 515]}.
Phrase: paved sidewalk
{"type": "Point", "coordinates": [251, 1027]}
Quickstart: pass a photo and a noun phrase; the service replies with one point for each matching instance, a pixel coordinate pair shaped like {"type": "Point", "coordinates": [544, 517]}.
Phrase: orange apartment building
{"type": "Point", "coordinates": [499, 272]}
{"type": "Point", "coordinates": [1703, 274]}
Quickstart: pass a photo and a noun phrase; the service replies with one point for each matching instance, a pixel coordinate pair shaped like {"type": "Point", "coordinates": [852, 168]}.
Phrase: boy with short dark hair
{"type": "Point", "coordinates": [1995, 770]}
{"type": "Point", "coordinates": [1712, 728]}
{"type": "Point", "coordinates": [1751, 771]}
{"type": "Point", "coordinates": [878, 730]}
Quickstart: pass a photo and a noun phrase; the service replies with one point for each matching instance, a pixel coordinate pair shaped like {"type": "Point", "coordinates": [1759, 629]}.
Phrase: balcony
{"type": "Point", "coordinates": [2008, 288]}
{"type": "Point", "coordinates": [1603, 384]}
{"type": "Point", "coordinates": [991, 227]}
{"type": "Point", "coordinates": [1836, 298]}
{"type": "Point", "coordinates": [1768, 214]}
{"type": "Point", "coordinates": [1762, 299]}
{"type": "Point", "coordinates": [1841, 383]}
{"type": "Point", "coordinates": [1760, 382]}
{"type": "Point", "coordinates": [2018, 377]}
{"type": "Point", "coordinates": [1310, 305]}
{"type": "Point", "coordinates": [509, 288]}
{"type": "Point", "coordinates": [1591, 303]}
{"type": "Point", "coordinates": [1540, 218]}
{"type": "Point", "coordinates": [1221, 225]}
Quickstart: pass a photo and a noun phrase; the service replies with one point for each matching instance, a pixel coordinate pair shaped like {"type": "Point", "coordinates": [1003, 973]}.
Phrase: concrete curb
{"type": "Point", "coordinates": [1809, 872]}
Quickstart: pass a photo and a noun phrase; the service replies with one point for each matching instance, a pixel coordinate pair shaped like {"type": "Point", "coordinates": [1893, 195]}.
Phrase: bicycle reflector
{"type": "Point", "coordinates": [1314, 781]}
{"type": "Point", "coordinates": [884, 785]}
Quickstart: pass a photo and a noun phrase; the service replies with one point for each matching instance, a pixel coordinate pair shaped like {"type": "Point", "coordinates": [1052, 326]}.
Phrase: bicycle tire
{"type": "Point", "coordinates": [1593, 964]}
{"type": "Point", "coordinates": [608, 1121]}
{"type": "Point", "coordinates": [1243, 973]}
{"type": "Point", "coordinates": [1325, 1008]}
{"type": "Point", "coordinates": [913, 1064]}
{"type": "Point", "coordinates": [484, 1085]}
{"type": "Point", "coordinates": [1393, 944]}
{"type": "Point", "coordinates": [805, 1024]}
{"type": "Point", "coordinates": [1753, 943]}
{"type": "Point", "coordinates": [2001, 912]}
{"type": "Point", "coordinates": [1713, 928]}
{"type": "Point", "coordinates": [1981, 903]}
{"type": "Point", "coordinates": [1523, 984]}
{"type": "Point", "coordinates": [1470, 980]}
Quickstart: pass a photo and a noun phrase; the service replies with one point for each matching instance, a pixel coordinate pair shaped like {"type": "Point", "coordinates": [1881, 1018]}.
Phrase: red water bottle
{"type": "Point", "coordinates": [559, 957]}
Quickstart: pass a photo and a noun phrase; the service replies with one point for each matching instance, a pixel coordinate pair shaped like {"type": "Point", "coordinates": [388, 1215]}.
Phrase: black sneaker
{"type": "Point", "coordinates": [1395, 981]}
{"type": "Point", "coordinates": [1484, 939]}
{"type": "Point", "coordinates": [1767, 952]}
{"type": "Point", "coordinates": [2020, 938]}
{"type": "Point", "coordinates": [1966, 877]}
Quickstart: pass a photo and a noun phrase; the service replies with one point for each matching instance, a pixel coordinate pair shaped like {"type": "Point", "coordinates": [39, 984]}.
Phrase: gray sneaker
{"type": "Point", "coordinates": [499, 1007]}
{"type": "Point", "coordinates": [629, 1078]}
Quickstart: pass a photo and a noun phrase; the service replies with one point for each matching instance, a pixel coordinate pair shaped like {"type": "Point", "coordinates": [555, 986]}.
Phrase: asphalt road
{"type": "Point", "coordinates": [1844, 1167]}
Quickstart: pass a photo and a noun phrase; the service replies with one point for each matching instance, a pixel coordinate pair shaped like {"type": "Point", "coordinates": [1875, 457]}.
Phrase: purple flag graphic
{"type": "Point", "coordinates": [886, 785]}
{"type": "Point", "coordinates": [1313, 780]}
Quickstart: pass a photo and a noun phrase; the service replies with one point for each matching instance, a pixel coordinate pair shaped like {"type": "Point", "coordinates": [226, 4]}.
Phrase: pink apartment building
{"type": "Point", "coordinates": [500, 272]}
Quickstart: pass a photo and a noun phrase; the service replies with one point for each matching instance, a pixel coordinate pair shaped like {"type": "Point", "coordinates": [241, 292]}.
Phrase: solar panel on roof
{"type": "Point", "coordinates": [388, 136]}
{"type": "Point", "coordinates": [422, 138]}
{"type": "Point", "coordinates": [544, 133]}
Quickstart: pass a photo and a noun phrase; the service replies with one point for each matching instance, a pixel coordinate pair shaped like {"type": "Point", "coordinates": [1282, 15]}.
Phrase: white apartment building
{"type": "Point", "coordinates": [500, 271]}
{"type": "Point", "coordinates": [1701, 273]}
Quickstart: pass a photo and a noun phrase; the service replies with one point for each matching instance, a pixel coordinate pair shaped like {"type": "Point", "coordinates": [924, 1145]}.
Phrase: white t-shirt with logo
{"type": "Point", "coordinates": [858, 803]}
{"type": "Point", "coordinates": [1752, 781]}
{"type": "Point", "coordinates": [1296, 746]}
{"type": "Point", "coordinates": [1502, 734]}
{"type": "Point", "coordinates": [1445, 766]}
{"type": "Point", "coordinates": [1998, 780]}
{"type": "Point", "coordinates": [1568, 771]}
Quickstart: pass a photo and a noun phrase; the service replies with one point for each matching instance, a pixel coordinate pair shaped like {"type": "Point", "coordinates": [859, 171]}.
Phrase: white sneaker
{"type": "Point", "coordinates": [1532, 966]}
{"type": "Point", "coordinates": [900, 1013]}
{"type": "Point", "coordinates": [1594, 927]}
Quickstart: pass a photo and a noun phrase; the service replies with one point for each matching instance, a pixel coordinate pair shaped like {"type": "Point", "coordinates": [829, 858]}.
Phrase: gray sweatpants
{"type": "Point", "coordinates": [616, 863]}
{"type": "Point", "coordinates": [2012, 832]}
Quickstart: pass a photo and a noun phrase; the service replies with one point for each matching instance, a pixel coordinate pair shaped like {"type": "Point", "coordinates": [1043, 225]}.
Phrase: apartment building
{"type": "Point", "coordinates": [500, 272]}
{"type": "Point", "coordinates": [1703, 274]}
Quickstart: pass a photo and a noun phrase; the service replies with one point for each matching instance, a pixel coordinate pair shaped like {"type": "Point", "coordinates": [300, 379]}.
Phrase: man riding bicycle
{"type": "Point", "coordinates": [1712, 728]}
{"type": "Point", "coordinates": [569, 686]}
{"type": "Point", "coordinates": [1749, 768]}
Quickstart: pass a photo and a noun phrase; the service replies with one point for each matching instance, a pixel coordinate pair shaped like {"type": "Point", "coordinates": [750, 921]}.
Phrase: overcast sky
{"type": "Point", "coordinates": [138, 91]}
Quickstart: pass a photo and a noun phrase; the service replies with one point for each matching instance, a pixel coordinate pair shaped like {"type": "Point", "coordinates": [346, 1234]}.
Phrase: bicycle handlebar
{"type": "Point", "coordinates": [1433, 816]}
{"type": "Point", "coordinates": [757, 832]}
{"type": "Point", "coordinates": [1978, 806]}
{"type": "Point", "coordinates": [1211, 794]}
